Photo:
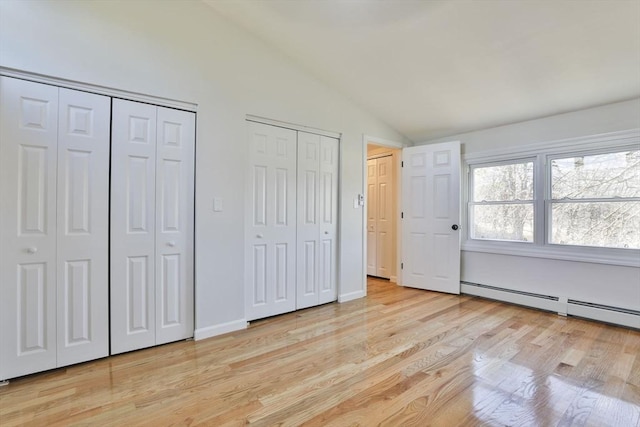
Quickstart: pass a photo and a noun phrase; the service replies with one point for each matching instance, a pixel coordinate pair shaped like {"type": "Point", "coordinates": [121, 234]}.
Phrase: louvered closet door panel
{"type": "Point", "coordinates": [174, 225]}
{"type": "Point", "coordinates": [308, 244]}
{"type": "Point", "coordinates": [328, 220]}
{"type": "Point", "coordinates": [83, 227]}
{"type": "Point", "coordinates": [28, 147]}
{"type": "Point", "coordinates": [270, 222]}
{"type": "Point", "coordinates": [133, 166]}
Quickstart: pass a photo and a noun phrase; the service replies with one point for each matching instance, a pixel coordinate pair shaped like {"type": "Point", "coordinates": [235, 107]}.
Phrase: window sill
{"type": "Point", "coordinates": [626, 258]}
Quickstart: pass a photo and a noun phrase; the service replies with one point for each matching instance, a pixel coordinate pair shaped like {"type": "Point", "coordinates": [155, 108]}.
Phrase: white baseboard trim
{"type": "Point", "coordinates": [223, 328]}
{"type": "Point", "coordinates": [561, 305]}
{"type": "Point", "coordinates": [520, 299]}
{"type": "Point", "coordinates": [609, 316]}
{"type": "Point", "coordinates": [351, 296]}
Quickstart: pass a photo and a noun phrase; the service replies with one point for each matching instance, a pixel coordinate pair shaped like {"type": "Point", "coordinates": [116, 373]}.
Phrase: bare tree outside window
{"type": "Point", "coordinates": [501, 205]}
{"type": "Point", "coordinates": [595, 200]}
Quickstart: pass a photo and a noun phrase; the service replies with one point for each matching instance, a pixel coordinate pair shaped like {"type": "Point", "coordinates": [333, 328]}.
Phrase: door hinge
{"type": "Point", "coordinates": [402, 266]}
{"type": "Point", "coordinates": [401, 214]}
{"type": "Point", "coordinates": [402, 164]}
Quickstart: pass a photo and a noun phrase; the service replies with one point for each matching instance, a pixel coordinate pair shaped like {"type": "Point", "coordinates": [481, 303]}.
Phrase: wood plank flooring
{"type": "Point", "coordinates": [400, 357]}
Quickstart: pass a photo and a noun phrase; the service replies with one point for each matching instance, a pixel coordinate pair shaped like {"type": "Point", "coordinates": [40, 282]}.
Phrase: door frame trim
{"type": "Point", "coordinates": [366, 140]}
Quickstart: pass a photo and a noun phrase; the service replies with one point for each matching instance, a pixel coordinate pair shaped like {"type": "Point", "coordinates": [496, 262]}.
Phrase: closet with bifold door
{"type": "Point", "coordinates": [54, 163]}
{"type": "Point", "coordinates": [291, 220]}
{"type": "Point", "coordinates": [151, 225]}
{"type": "Point", "coordinates": [96, 226]}
{"type": "Point", "coordinates": [317, 227]}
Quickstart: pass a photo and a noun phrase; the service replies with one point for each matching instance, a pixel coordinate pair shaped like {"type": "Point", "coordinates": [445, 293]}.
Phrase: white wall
{"type": "Point", "coordinates": [598, 283]}
{"type": "Point", "coordinates": [183, 50]}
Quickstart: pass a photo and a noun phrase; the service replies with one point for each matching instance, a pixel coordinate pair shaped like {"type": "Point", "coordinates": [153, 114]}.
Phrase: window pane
{"type": "Point", "coordinates": [503, 222]}
{"type": "Point", "coordinates": [595, 176]}
{"type": "Point", "coordinates": [603, 224]}
{"type": "Point", "coordinates": [502, 183]}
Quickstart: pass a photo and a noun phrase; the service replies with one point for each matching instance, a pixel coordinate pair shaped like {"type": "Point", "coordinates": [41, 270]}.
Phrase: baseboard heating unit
{"type": "Point", "coordinates": [558, 304]}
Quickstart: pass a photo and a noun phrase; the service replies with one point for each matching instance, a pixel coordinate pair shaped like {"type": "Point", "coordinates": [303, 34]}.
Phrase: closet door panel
{"type": "Point", "coordinates": [174, 225]}
{"type": "Point", "coordinates": [133, 215]}
{"type": "Point", "coordinates": [328, 220]}
{"type": "Point", "coordinates": [82, 226]}
{"type": "Point", "coordinates": [28, 146]}
{"type": "Point", "coordinates": [308, 244]}
{"type": "Point", "coordinates": [270, 222]}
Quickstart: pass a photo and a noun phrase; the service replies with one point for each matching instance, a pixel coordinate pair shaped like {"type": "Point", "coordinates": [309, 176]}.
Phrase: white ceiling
{"type": "Point", "coordinates": [437, 68]}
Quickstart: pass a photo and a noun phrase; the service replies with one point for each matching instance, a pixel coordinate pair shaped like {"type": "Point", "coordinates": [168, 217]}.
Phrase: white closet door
{"type": "Point", "coordinates": [28, 148]}
{"type": "Point", "coordinates": [270, 231]}
{"type": "Point", "coordinates": [307, 292]}
{"type": "Point", "coordinates": [82, 227]}
{"type": "Point", "coordinates": [372, 209]}
{"type": "Point", "coordinates": [328, 219]}
{"type": "Point", "coordinates": [317, 225]}
{"type": "Point", "coordinates": [133, 213]}
{"type": "Point", "coordinates": [174, 225]}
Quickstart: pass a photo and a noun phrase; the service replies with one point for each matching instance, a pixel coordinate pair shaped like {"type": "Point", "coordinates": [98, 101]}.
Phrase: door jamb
{"type": "Point", "coordinates": [366, 140]}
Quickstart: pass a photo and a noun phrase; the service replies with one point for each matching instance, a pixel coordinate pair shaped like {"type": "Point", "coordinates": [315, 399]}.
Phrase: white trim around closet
{"type": "Point", "coordinates": [100, 90]}
{"type": "Point", "coordinates": [286, 125]}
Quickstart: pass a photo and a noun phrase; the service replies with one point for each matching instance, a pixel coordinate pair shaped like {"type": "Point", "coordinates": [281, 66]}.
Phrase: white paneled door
{"type": "Point", "coordinates": [317, 224]}
{"type": "Point", "coordinates": [174, 297]}
{"type": "Point", "coordinates": [151, 225]}
{"type": "Point", "coordinates": [380, 207]}
{"type": "Point", "coordinates": [83, 226]}
{"type": "Point", "coordinates": [28, 152]}
{"type": "Point", "coordinates": [328, 218]}
{"type": "Point", "coordinates": [431, 210]}
{"type": "Point", "coordinates": [270, 222]}
{"type": "Point", "coordinates": [53, 224]}
{"type": "Point", "coordinates": [133, 201]}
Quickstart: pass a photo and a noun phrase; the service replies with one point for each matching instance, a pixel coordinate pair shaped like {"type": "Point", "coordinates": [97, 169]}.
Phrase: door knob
{"type": "Point", "coordinates": [326, 232]}
{"type": "Point", "coordinates": [454, 227]}
{"type": "Point", "coordinates": [171, 243]}
{"type": "Point", "coordinates": [32, 250]}
{"type": "Point", "coordinates": [259, 236]}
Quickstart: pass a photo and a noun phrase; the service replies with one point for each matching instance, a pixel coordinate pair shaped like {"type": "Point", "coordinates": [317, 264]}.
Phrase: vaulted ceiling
{"type": "Point", "coordinates": [433, 68]}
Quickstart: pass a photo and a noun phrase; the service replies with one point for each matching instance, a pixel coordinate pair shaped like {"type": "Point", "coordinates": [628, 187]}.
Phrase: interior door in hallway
{"type": "Point", "coordinates": [270, 222]}
{"type": "Point", "coordinates": [380, 186]}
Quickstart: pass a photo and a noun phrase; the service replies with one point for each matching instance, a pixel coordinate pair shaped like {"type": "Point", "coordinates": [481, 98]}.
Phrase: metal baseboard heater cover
{"type": "Point", "coordinates": [561, 305]}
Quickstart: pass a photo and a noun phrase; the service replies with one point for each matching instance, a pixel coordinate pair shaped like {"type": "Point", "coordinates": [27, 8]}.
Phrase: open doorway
{"type": "Point", "coordinates": [382, 210]}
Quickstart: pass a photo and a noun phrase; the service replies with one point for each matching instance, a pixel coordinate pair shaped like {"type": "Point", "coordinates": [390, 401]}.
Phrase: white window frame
{"type": "Point", "coordinates": [470, 203]}
{"type": "Point", "coordinates": [549, 201]}
{"type": "Point", "coordinates": [543, 153]}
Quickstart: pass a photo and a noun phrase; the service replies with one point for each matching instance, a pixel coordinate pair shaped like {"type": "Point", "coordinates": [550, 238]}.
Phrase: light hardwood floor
{"type": "Point", "coordinates": [399, 357]}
